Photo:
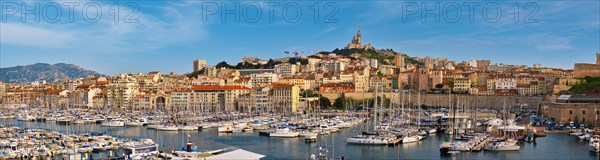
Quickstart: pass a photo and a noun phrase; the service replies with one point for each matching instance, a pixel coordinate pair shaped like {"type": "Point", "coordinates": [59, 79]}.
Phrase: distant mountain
{"type": "Point", "coordinates": [44, 71]}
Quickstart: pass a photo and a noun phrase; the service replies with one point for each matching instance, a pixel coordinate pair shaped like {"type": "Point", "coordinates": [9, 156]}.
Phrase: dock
{"type": "Point", "coordinates": [537, 131]}
{"type": "Point", "coordinates": [481, 145]}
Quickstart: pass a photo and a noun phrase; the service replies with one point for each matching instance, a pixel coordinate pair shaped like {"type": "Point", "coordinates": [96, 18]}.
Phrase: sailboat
{"type": "Point", "coordinates": [374, 138]}
{"type": "Point", "coordinates": [594, 144]}
{"type": "Point", "coordinates": [508, 144]}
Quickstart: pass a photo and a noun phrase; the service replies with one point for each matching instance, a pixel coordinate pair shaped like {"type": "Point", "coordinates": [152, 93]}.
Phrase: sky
{"type": "Point", "coordinates": [113, 37]}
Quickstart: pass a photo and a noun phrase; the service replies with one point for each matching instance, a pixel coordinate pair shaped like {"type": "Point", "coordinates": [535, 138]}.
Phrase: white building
{"type": "Point", "coordinates": [333, 65]}
{"type": "Point", "coordinates": [263, 78]}
{"type": "Point", "coordinates": [286, 69]}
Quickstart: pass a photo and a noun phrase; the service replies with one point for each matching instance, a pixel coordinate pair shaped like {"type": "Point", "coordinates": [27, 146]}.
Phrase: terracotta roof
{"type": "Point", "coordinates": [281, 85]}
{"type": "Point", "coordinates": [102, 82]}
{"type": "Point", "coordinates": [342, 84]}
{"type": "Point", "coordinates": [522, 85]}
{"type": "Point", "coordinates": [84, 86]}
{"type": "Point", "coordinates": [53, 91]}
{"type": "Point", "coordinates": [214, 87]}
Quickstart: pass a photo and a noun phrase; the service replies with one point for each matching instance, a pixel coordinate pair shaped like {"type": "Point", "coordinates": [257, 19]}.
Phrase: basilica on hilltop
{"type": "Point", "coordinates": [357, 42]}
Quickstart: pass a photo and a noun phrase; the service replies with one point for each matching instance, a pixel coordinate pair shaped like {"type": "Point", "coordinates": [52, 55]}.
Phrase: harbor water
{"type": "Point", "coordinates": [554, 146]}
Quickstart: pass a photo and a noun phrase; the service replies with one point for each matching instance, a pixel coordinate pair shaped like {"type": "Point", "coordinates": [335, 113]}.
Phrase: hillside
{"type": "Point", "coordinates": [44, 71]}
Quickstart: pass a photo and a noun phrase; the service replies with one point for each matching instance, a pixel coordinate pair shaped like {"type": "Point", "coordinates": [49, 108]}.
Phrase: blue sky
{"type": "Point", "coordinates": [166, 36]}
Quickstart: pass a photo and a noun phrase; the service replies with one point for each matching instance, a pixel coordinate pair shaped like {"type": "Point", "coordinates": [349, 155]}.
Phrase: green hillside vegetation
{"type": "Point", "coordinates": [588, 85]}
{"type": "Point", "coordinates": [383, 56]}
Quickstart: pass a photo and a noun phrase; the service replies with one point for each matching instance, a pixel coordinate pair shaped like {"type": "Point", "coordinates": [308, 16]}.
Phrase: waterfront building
{"type": "Point", "coordinates": [579, 109]}
{"type": "Point", "coordinates": [285, 97]}
{"type": "Point", "coordinates": [152, 101]}
{"type": "Point", "coordinates": [218, 98]}
{"type": "Point", "coordinates": [121, 90]}
{"type": "Point", "coordinates": [258, 100]}
{"type": "Point", "coordinates": [462, 85]}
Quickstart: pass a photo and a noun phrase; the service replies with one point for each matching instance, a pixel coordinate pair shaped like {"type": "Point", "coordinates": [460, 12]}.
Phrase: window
{"type": "Point", "coordinates": [583, 112]}
{"type": "Point", "coordinates": [570, 112]}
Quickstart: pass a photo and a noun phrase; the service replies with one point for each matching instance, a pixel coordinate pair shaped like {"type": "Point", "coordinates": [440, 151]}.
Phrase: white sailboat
{"type": "Point", "coordinates": [366, 138]}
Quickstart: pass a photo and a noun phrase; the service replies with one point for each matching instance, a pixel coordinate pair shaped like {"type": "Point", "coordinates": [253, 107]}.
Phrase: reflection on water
{"type": "Point", "coordinates": [554, 146]}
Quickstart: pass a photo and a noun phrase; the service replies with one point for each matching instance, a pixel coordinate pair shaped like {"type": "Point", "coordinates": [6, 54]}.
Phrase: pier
{"type": "Point", "coordinates": [481, 146]}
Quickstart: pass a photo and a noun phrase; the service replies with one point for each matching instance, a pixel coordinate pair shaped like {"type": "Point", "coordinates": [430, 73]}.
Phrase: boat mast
{"type": "Point", "coordinates": [402, 112]}
{"type": "Point", "coordinates": [375, 107]}
{"type": "Point", "coordinates": [419, 109]}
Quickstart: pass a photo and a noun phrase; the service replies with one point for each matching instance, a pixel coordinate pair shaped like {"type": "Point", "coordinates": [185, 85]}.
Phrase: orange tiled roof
{"type": "Point", "coordinates": [281, 85]}
{"type": "Point", "coordinates": [214, 87]}
{"type": "Point", "coordinates": [53, 91]}
{"type": "Point", "coordinates": [522, 85]}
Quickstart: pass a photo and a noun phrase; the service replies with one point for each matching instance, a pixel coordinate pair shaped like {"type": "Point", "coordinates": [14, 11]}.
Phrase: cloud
{"type": "Point", "coordinates": [26, 35]}
{"type": "Point", "coordinates": [154, 29]}
{"type": "Point", "coordinates": [323, 31]}
{"type": "Point", "coordinates": [548, 43]}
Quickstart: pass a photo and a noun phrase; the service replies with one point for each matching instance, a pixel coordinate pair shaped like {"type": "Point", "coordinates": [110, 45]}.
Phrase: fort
{"type": "Point", "coordinates": [582, 70]}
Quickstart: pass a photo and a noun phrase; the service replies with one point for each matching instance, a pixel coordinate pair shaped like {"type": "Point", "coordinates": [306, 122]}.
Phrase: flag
{"type": "Point", "coordinates": [189, 138]}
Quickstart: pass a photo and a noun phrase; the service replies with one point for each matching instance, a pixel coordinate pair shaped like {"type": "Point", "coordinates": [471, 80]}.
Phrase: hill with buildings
{"type": "Point", "coordinates": [44, 72]}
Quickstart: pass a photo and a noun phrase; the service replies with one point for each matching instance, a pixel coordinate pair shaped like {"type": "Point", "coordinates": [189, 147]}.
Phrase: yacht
{"type": "Point", "coordinates": [594, 144]}
{"type": "Point", "coordinates": [432, 131]}
{"type": "Point", "coordinates": [63, 120]}
{"type": "Point", "coordinates": [26, 118]}
{"type": "Point", "coordinates": [153, 126]}
{"type": "Point", "coordinates": [88, 120]}
{"type": "Point", "coordinates": [503, 146]}
{"type": "Point", "coordinates": [168, 127]}
{"type": "Point", "coordinates": [372, 140]}
{"type": "Point", "coordinates": [114, 123]}
{"type": "Point", "coordinates": [284, 132]}
{"type": "Point", "coordinates": [226, 128]}
{"type": "Point", "coordinates": [142, 150]}
{"type": "Point", "coordinates": [187, 127]}
{"type": "Point", "coordinates": [134, 122]}
{"type": "Point", "coordinates": [411, 139]}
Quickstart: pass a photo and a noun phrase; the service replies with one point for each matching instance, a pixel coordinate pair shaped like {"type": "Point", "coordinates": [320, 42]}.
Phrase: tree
{"type": "Point", "coordinates": [324, 102]}
{"type": "Point", "coordinates": [339, 103]}
{"type": "Point", "coordinates": [196, 73]}
{"type": "Point", "coordinates": [223, 64]}
{"type": "Point", "coordinates": [439, 86]}
{"type": "Point", "coordinates": [309, 93]}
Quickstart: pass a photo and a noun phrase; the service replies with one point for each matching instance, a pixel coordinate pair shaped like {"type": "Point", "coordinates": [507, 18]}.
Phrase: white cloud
{"type": "Point", "coordinates": [165, 26]}
{"type": "Point", "coordinates": [27, 35]}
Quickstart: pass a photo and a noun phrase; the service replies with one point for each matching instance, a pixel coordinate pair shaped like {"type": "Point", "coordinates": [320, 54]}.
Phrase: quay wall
{"type": "Point", "coordinates": [489, 101]}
